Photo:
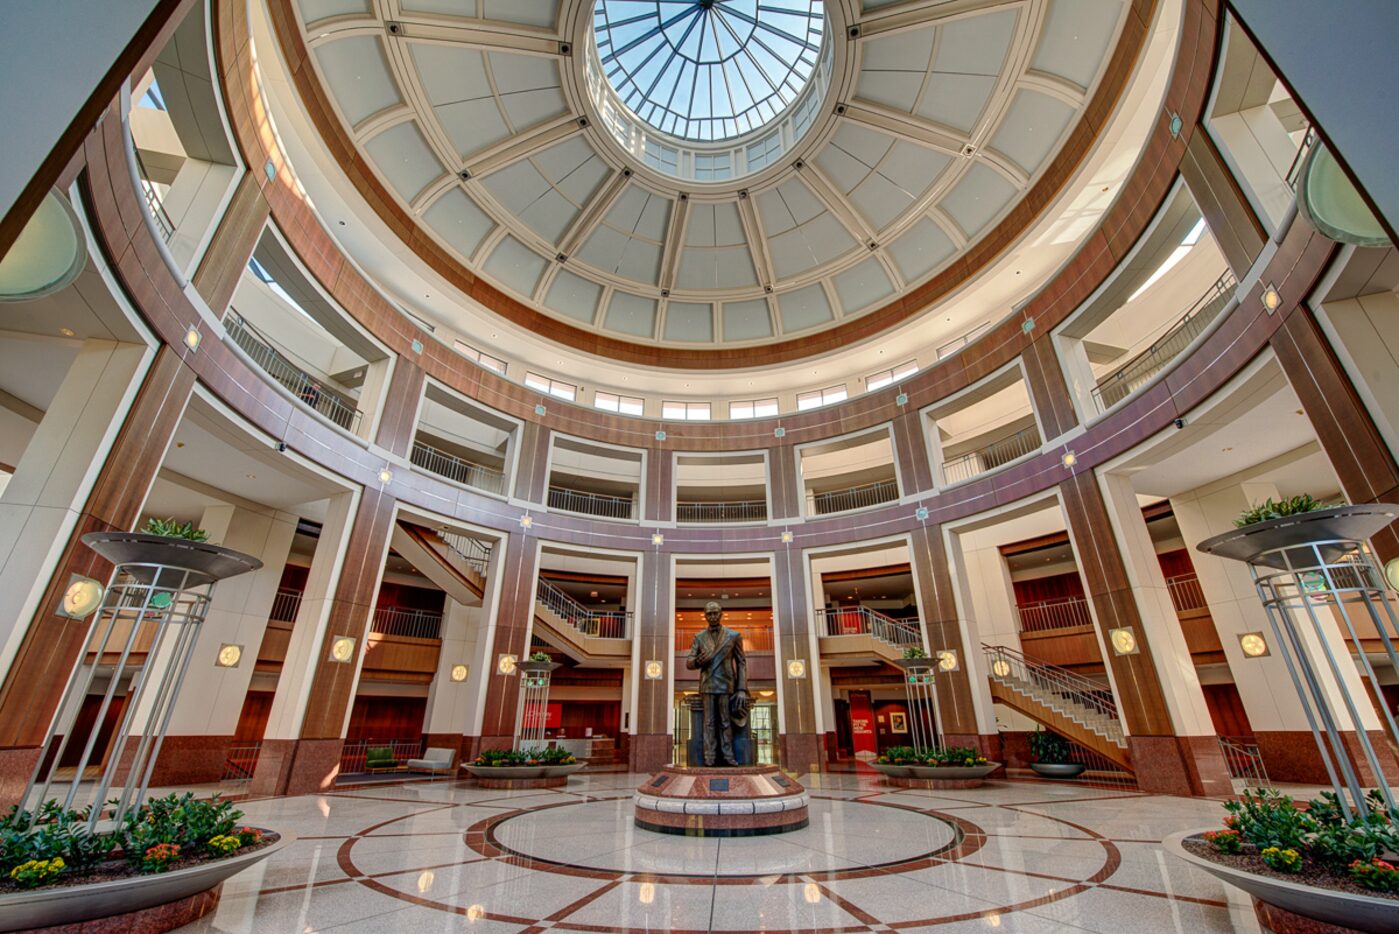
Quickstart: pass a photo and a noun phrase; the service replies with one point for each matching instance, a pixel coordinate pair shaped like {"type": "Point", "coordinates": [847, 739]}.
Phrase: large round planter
{"type": "Point", "coordinates": [141, 554]}
{"type": "Point", "coordinates": [936, 776]}
{"type": "Point", "coordinates": [74, 904]}
{"type": "Point", "coordinates": [1344, 909]}
{"type": "Point", "coordinates": [890, 770]}
{"type": "Point", "coordinates": [1059, 769]}
{"type": "Point", "coordinates": [522, 776]}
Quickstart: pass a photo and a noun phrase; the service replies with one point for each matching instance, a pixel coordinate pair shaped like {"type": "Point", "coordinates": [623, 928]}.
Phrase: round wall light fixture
{"type": "Point", "coordinates": [342, 649]}
{"type": "Point", "coordinates": [459, 673]}
{"type": "Point", "coordinates": [229, 655]}
{"type": "Point", "coordinates": [1124, 641]}
{"type": "Point", "coordinates": [1000, 668]}
{"type": "Point", "coordinates": [654, 670]}
{"type": "Point", "coordinates": [1254, 645]}
{"type": "Point", "coordinates": [47, 255]}
{"type": "Point", "coordinates": [506, 664]}
{"type": "Point", "coordinates": [796, 668]}
{"type": "Point", "coordinates": [947, 660]}
{"type": "Point", "coordinates": [82, 597]}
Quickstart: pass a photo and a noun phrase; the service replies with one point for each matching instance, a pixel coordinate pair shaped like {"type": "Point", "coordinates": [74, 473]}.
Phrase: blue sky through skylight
{"type": "Point", "coordinates": [708, 70]}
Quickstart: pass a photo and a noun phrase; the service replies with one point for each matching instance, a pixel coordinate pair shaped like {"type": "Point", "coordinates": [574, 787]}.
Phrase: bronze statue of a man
{"type": "Point", "coordinates": [718, 654]}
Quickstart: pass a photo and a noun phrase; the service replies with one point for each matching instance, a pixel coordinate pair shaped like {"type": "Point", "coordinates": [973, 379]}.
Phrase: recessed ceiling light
{"type": "Point", "coordinates": [67, 332]}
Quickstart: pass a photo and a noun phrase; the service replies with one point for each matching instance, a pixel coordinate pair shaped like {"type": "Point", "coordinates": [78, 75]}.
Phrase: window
{"type": "Point", "coordinates": [819, 397]}
{"type": "Point", "coordinates": [481, 359]}
{"type": "Point", "coordinates": [611, 402]}
{"type": "Point", "coordinates": [551, 387]}
{"type": "Point", "coordinates": [885, 377]}
{"type": "Point", "coordinates": [753, 408]}
{"type": "Point", "coordinates": [1192, 237]}
{"type": "Point", "coordinates": [686, 411]}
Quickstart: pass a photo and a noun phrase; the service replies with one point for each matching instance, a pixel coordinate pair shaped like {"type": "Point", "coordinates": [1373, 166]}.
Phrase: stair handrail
{"type": "Point", "coordinates": [887, 629]}
{"type": "Point", "coordinates": [605, 624]}
{"type": "Point", "coordinates": [1085, 692]}
{"type": "Point", "coordinates": [473, 551]}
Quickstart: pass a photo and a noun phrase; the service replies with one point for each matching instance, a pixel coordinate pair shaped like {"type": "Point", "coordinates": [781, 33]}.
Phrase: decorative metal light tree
{"type": "Point", "coordinates": [1306, 566]}
{"type": "Point", "coordinates": [142, 638]}
{"type": "Point", "coordinates": [920, 679]}
{"type": "Point", "coordinates": [535, 676]}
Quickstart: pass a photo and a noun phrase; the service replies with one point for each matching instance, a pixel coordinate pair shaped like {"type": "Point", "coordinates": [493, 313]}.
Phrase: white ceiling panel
{"type": "Point", "coordinates": [689, 321]}
{"type": "Point", "coordinates": [459, 221]}
{"type": "Point", "coordinates": [357, 73]}
{"type": "Point", "coordinates": [921, 249]}
{"type": "Point", "coordinates": [1031, 128]}
{"type": "Point", "coordinates": [573, 296]}
{"type": "Point", "coordinates": [804, 308]}
{"type": "Point", "coordinates": [747, 320]}
{"type": "Point", "coordinates": [977, 198]}
{"type": "Point", "coordinates": [956, 101]}
{"type": "Point", "coordinates": [1075, 37]}
{"type": "Point", "coordinates": [459, 91]}
{"type": "Point", "coordinates": [405, 159]}
{"type": "Point", "coordinates": [714, 225]}
{"type": "Point", "coordinates": [722, 268]}
{"type": "Point", "coordinates": [631, 314]}
{"type": "Point", "coordinates": [312, 10]}
{"type": "Point", "coordinates": [540, 13]}
{"type": "Point", "coordinates": [529, 88]}
{"type": "Point", "coordinates": [862, 286]}
{"type": "Point", "coordinates": [515, 266]}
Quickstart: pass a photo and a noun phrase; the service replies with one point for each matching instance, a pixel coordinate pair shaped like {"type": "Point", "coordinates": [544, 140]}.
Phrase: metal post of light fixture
{"type": "Point", "coordinates": [534, 702]}
{"type": "Point", "coordinates": [920, 678]}
{"type": "Point", "coordinates": [1315, 560]}
{"type": "Point", "coordinates": [158, 596]}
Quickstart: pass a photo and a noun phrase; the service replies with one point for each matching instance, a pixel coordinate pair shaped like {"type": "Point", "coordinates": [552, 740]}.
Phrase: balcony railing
{"type": "Point", "coordinates": [285, 605]}
{"type": "Point", "coordinates": [990, 456]}
{"type": "Point", "coordinates": [475, 553]}
{"type": "Point", "coordinates": [715, 513]}
{"type": "Point", "coordinates": [1294, 171]}
{"type": "Point", "coordinates": [862, 621]}
{"type": "Point", "coordinates": [457, 469]}
{"type": "Point", "coordinates": [1186, 593]}
{"type": "Point", "coordinates": [1137, 372]}
{"type": "Point", "coordinates": [1044, 615]}
{"type": "Point", "coordinates": [604, 624]}
{"type": "Point", "coordinates": [155, 205]}
{"type": "Point", "coordinates": [308, 390]}
{"type": "Point", "coordinates": [354, 752]}
{"type": "Point", "coordinates": [590, 504]}
{"type": "Point", "coordinates": [856, 497]}
{"type": "Point", "coordinates": [415, 624]}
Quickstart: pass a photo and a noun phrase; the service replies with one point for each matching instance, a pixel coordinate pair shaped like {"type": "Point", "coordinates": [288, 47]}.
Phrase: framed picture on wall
{"type": "Point", "coordinates": [898, 723]}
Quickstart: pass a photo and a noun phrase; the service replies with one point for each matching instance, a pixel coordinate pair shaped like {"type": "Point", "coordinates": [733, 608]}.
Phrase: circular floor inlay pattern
{"type": "Point", "coordinates": [842, 836]}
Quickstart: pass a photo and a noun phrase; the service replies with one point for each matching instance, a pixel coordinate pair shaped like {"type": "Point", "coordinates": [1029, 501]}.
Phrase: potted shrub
{"type": "Point", "coordinates": [537, 766]}
{"type": "Point", "coordinates": [54, 871]}
{"type": "Point", "coordinates": [1051, 752]}
{"type": "Point", "coordinates": [938, 767]}
{"type": "Point", "coordinates": [1309, 860]}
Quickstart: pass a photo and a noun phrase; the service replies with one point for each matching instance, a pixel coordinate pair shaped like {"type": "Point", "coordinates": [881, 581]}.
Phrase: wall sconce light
{"type": "Point", "coordinates": [193, 337]}
{"type": "Point", "coordinates": [657, 538]}
{"type": "Point", "coordinates": [1253, 645]}
{"type": "Point", "coordinates": [786, 537]}
{"type": "Point", "coordinates": [654, 670]}
{"type": "Point", "coordinates": [1124, 641]}
{"type": "Point", "coordinates": [1272, 299]}
{"type": "Point", "coordinates": [459, 673]}
{"type": "Point", "coordinates": [342, 649]}
{"type": "Point", "coordinates": [796, 668]}
{"type": "Point", "coordinates": [229, 656]}
{"type": "Point", "coordinates": [1069, 459]}
{"type": "Point", "coordinates": [385, 475]}
{"type": "Point", "coordinates": [526, 521]}
{"type": "Point", "coordinates": [505, 664]}
{"type": "Point", "coordinates": [1391, 573]}
{"type": "Point", "coordinates": [1000, 668]}
{"type": "Point", "coordinates": [82, 597]}
{"type": "Point", "coordinates": [947, 660]}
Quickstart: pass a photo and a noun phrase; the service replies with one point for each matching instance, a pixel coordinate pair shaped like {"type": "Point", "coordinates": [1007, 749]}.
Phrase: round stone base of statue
{"type": "Point", "coordinates": [741, 801]}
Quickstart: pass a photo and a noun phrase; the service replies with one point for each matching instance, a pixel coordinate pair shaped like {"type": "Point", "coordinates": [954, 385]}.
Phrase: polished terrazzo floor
{"type": "Point", "coordinates": [448, 856]}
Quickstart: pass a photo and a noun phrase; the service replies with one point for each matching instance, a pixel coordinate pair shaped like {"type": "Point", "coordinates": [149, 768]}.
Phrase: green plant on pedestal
{"type": "Point", "coordinates": [169, 528]}
{"type": "Point", "coordinates": [1049, 748]}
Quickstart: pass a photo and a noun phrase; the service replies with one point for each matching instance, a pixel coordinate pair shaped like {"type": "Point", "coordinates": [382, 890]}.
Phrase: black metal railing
{"type": "Point", "coordinates": [457, 469]}
{"type": "Point", "coordinates": [604, 624]}
{"type": "Point", "coordinates": [309, 390]}
{"type": "Point", "coordinates": [155, 204]}
{"type": "Point", "coordinates": [856, 497]}
{"type": "Point", "coordinates": [861, 620]}
{"type": "Point", "coordinates": [239, 764]}
{"type": "Point", "coordinates": [991, 455]}
{"type": "Point", "coordinates": [1137, 372]}
{"type": "Point", "coordinates": [415, 624]}
{"type": "Point", "coordinates": [285, 605]}
{"type": "Point", "coordinates": [602, 505]}
{"type": "Point", "coordinates": [1186, 593]}
{"type": "Point", "coordinates": [1044, 615]}
{"type": "Point", "coordinates": [716, 513]}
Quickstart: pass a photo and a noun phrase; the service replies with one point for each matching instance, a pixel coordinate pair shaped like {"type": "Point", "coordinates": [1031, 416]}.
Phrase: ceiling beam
{"type": "Point", "coordinates": [906, 126]}
{"type": "Point", "coordinates": [674, 241]}
{"type": "Point", "coordinates": [519, 146]}
{"type": "Point", "coordinates": [836, 202]}
{"type": "Point", "coordinates": [593, 212]}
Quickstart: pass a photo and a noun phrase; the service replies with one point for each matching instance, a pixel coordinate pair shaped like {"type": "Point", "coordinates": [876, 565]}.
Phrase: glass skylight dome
{"type": "Point", "coordinates": [709, 70]}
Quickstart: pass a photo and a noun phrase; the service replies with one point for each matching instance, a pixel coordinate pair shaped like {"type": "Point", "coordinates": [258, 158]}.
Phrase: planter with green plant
{"type": "Point", "coordinates": [1306, 860]}
{"type": "Point", "coordinates": [937, 767]}
{"type": "Point", "coordinates": [537, 767]}
{"type": "Point", "coordinates": [538, 663]}
{"type": "Point", "coordinates": [1052, 754]}
{"type": "Point", "coordinates": [54, 871]}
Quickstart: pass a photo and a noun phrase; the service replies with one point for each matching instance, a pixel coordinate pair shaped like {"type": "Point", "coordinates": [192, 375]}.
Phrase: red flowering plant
{"type": "Point", "coordinates": [160, 857]}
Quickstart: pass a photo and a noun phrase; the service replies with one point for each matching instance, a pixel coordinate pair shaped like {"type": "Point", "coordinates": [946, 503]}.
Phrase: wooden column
{"type": "Point", "coordinates": [782, 482]}
{"type": "Point", "coordinates": [232, 246]}
{"type": "Point", "coordinates": [31, 691]}
{"type": "Point", "coordinates": [399, 422]}
{"type": "Point", "coordinates": [911, 454]}
{"type": "Point", "coordinates": [532, 480]}
{"type": "Point", "coordinates": [938, 610]}
{"type": "Point", "coordinates": [655, 625]}
{"type": "Point", "coordinates": [1230, 217]}
{"type": "Point", "coordinates": [800, 747]}
{"type": "Point", "coordinates": [1049, 391]}
{"type": "Point", "coordinates": [1164, 762]}
{"type": "Point", "coordinates": [660, 485]}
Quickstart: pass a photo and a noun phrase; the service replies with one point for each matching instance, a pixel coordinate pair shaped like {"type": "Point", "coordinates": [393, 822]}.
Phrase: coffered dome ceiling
{"type": "Point", "coordinates": [902, 134]}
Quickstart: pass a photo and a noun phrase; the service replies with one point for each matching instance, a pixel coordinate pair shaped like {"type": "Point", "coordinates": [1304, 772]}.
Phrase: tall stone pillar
{"type": "Point", "coordinates": [452, 705]}
{"type": "Point", "coordinates": [305, 728]}
{"type": "Point", "coordinates": [800, 748]}
{"type": "Point", "coordinates": [654, 640]}
{"type": "Point", "coordinates": [1265, 688]}
{"type": "Point", "coordinates": [211, 697]}
{"type": "Point", "coordinates": [1165, 757]}
{"type": "Point", "coordinates": [79, 480]}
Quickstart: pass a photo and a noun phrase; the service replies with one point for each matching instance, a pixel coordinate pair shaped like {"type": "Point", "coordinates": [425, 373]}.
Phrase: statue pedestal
{"type": "Point", "coordinates": [741, 801]}
{"type": "Point", "coordinates": [744, 751]}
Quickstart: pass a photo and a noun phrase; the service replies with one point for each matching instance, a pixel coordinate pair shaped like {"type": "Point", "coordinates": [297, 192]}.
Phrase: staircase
{"type": "Point", "coordinates": [1077, 707]}
{"type": "Point", "coordinates": [457, 563]}
{"type": "Point", "coordinates": [858, 630]}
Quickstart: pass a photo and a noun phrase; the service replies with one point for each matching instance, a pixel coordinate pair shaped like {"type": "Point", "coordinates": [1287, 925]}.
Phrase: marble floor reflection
{"type": "Point", "coordinates": [447, 856]}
